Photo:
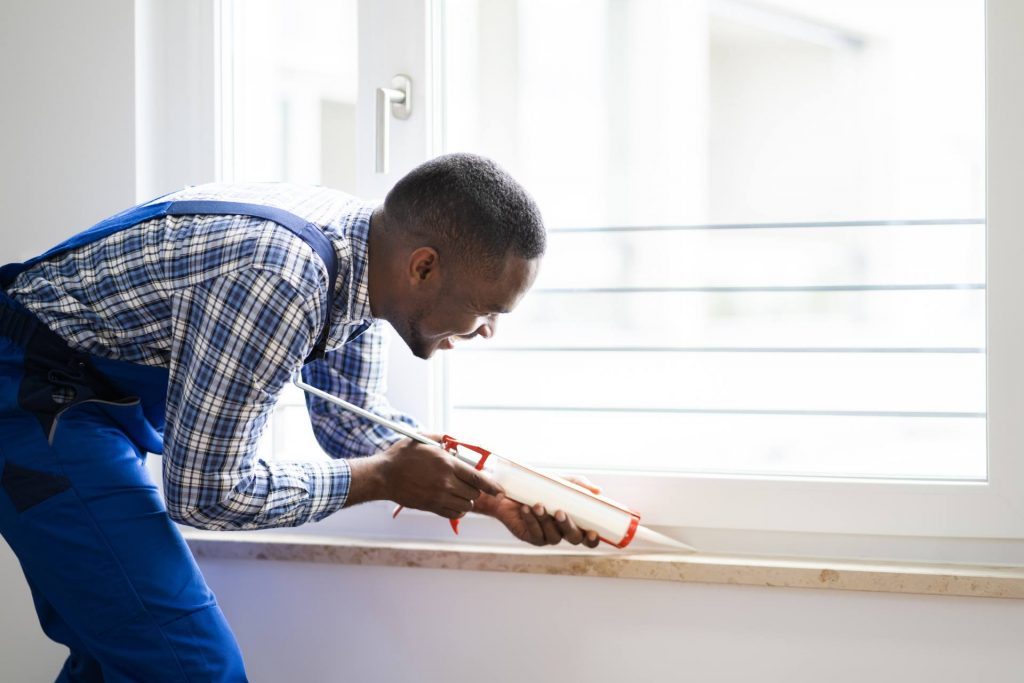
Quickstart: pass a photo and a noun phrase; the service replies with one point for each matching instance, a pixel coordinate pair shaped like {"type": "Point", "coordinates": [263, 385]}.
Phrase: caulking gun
{"type": "Point", "coordinates": [614, 523]}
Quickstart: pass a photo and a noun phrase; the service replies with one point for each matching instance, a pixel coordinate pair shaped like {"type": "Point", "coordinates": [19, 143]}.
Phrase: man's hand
{"type": "Point", "coordinates": [535, 525]}
{"type": "Point", "coordinates": [421, 477]}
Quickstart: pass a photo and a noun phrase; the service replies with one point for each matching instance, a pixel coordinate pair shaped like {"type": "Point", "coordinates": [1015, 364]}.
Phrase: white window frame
{"type": "Point", "coordinates": [699, 503]}
{"type": "Point", "coordinates": [867, 518]}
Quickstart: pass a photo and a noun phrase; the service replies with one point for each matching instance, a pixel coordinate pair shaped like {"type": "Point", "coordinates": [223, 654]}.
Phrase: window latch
{"type": "Point", "coordinates": [397, 98]}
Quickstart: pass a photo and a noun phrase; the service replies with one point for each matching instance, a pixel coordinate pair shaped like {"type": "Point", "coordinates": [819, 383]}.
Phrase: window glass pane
{"type": "Point", "coordinates": [768, 236]}
{"type": "Point", "coordinates": [868, 382]}
{"type": "Point", "coordinates": [759, 444]}
{"type": "Point", "coordinates": [812, 256]}
{"type": "Point", "coordinates": [291, 73]}
{"type": "Point", "coordinates": [826, 320]}
{"type": "Point", "coordinates": [292, 69]}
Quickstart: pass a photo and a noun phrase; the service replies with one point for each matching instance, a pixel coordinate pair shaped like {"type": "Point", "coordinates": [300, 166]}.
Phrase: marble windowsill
{"type": "Point", "coordinates": [928, 579]}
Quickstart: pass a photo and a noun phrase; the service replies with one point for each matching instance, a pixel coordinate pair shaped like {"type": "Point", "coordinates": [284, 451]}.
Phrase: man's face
{"type": "Point", "coordinates": [468, 305]}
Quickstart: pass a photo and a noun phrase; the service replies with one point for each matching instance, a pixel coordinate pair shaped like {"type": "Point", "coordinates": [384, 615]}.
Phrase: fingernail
{"type": "Point", "coordinates": [560, 516]}
{"type": "Point", "coordinates": [539, 509]}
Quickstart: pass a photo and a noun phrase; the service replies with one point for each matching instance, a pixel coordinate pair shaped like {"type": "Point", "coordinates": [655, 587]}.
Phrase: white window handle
{"type": "Point", "coordinates": [399, 96]}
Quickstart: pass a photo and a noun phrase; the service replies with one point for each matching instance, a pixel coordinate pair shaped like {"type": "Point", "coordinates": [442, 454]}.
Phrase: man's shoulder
{"type": "Point", "coordinates": [278, 250]}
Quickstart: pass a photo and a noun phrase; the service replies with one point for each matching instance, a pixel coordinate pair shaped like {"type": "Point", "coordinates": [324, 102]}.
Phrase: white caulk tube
{"type": "Point", "coordinates": [613, 522]}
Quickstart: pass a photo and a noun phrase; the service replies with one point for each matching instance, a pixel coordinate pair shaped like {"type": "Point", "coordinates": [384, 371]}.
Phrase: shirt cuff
{"type": "Point", "coordinates": [329, 484]}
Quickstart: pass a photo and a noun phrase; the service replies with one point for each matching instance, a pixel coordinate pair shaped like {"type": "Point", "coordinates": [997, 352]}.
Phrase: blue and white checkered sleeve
{"type": "Point", "coordinates": [236, 340]}
{"type": "Point", "coordinates": [356, 372]}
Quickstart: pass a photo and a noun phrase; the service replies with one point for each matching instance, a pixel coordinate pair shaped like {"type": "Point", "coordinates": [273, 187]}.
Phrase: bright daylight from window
{"type": "Point", "coordinates": [767, 246]}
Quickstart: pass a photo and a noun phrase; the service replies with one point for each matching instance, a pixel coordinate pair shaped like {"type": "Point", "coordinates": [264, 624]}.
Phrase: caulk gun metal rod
{"type": "Point", "coordinates": [404, 430]}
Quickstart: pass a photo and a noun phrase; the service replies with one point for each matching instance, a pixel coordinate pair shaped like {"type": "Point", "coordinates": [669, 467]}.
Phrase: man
{"type": "Point", "coordinates": [173, 327]}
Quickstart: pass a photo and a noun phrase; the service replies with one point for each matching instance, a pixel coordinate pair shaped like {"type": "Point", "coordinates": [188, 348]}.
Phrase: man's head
{"type": "Point", "coordinates": [457, 242]}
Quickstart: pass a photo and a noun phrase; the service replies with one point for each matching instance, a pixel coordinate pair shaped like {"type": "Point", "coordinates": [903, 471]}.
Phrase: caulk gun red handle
{"type": "Point", "coordinates": [450, 444]}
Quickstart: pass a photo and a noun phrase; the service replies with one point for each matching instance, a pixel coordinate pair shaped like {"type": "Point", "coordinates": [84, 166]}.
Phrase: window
{"type": "Point", "coordinates": [768, 240]}
{"type": "Point", "coordinates": [777, 230]}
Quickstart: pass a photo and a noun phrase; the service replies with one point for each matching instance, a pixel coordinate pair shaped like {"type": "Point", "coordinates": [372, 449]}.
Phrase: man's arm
{"type": "Point", "coordinates": [356, 372]}
{"type": "Point", "coordinates": [235, 341]}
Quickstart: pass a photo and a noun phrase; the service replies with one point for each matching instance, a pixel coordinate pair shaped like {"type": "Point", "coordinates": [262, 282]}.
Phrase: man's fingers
{"type": "Point", "coordinates": [450, 513]}
{"type": "Point", "coordinates": [570, 531]}
{"type": "Point", "coordinates": [591, 539]}
{"type": "Point", "coordinates": [477, 479]}
{"type": "Point", "coordinates": [552, 536]}
{"type": "Point", "coordinates": [463, 490]}
{"type": "Point", "coordinates": [457, 503]}
{"type": "Point", "coordinates": [533, 530]}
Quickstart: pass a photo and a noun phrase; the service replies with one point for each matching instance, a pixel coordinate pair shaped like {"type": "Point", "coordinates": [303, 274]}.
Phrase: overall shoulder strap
{"type": "Point", "coordinates": [116, 223]}
{"type": "Point", "coordinates": [297, 225]}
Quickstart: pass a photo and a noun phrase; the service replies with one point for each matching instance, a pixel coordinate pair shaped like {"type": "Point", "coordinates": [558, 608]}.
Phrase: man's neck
{"type": "Point", "coordinates": [377, 264]}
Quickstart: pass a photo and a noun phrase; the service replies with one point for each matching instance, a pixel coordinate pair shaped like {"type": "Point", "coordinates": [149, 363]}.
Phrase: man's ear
{"type": "Point", "coordinates": [424, 267]}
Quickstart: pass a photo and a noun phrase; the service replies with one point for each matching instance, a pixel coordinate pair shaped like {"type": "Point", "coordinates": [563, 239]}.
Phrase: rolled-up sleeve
{"type": "Point", "coordinates": [235, 340]}
{"type": "Point", "coordinates": [356, 372]}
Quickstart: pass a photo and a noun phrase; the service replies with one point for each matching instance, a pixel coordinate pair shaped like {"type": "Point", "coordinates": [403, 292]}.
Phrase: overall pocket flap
{"type": "Point", "coordinates": [26, 487]}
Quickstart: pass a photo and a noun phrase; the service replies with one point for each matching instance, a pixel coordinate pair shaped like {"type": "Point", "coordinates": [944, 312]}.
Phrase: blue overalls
{"type": "Point", "coordinates": [110, 574]}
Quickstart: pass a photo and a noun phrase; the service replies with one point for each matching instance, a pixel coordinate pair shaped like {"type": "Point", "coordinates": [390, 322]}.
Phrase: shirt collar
{"type": "Point", "coordinates": [352, 293]}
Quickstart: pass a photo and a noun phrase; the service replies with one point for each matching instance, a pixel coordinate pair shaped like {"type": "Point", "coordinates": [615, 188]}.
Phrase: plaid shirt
{"type": "Point", "coordinates": [232, 305]}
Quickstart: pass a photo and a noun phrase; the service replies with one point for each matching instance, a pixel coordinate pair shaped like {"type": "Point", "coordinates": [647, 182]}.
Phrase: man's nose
{"type": "Point", "coordinates": [488, 329]}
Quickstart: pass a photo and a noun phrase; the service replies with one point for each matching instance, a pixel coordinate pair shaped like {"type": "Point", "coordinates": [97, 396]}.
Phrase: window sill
{"type": "Point", "coordinates": [926, 579]}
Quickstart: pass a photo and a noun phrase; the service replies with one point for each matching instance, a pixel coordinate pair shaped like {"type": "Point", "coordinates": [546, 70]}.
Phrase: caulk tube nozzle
{"type": "Point", "coordinates": [649, 536]}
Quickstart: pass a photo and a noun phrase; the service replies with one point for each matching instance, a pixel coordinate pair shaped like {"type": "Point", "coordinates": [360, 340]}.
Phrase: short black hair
{"type": "Point", "coordinates": [469, 202]}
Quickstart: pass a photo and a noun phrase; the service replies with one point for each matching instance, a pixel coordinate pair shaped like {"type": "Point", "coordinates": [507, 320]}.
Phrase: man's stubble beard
{"type": "Point", "coordinates": [414, 339]}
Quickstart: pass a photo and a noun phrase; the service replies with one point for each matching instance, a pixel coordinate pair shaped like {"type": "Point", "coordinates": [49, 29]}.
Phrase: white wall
{"type": "Point", "coordinates": [68, 158]}
{"type": "Point", "coordinates": [307, 622]}
{"type": "Point", "coordinates": [66, 125]}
